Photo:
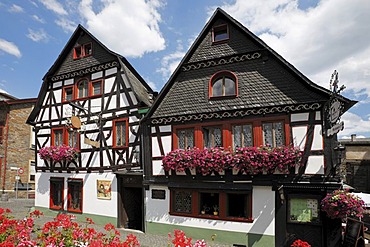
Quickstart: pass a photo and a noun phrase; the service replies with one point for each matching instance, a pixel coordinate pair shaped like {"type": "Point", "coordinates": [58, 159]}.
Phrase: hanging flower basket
{"type": "Point", "coordinates": [58, 153]}
{"type": "Point", "coordinates": [341, 204]}
{"type": "Point", "coordinates": [249, 160]}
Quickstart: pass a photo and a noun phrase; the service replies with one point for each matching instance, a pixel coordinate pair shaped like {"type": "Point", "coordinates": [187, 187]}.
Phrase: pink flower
{"type": "Point", "coordinates": [248, 160]}
{"type": "Point", "coordinates": [58, 153]}
{"type": "Point", "coordinates": [341, 203]}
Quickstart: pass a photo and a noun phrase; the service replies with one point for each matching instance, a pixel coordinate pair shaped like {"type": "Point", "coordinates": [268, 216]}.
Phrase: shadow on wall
{"type": "Point", "coordinates": [264, 215]}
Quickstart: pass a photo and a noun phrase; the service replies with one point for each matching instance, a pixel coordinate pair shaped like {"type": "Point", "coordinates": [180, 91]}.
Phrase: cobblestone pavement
{"type": "Point", "coordinates": [21, 207]}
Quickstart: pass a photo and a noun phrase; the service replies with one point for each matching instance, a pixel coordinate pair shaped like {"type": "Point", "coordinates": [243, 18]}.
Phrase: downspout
{"type": "Point", "coordinates": [6, 148]}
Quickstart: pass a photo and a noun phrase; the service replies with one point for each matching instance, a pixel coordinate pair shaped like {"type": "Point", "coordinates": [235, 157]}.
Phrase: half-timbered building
{"type": "Point", "coordinates": [86, 123]}
{"type": "Point", "coordinates": [232, 91]}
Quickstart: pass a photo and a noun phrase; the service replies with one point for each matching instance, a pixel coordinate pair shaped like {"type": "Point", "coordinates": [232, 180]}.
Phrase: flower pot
{"type": "Point", "coordinates": [215, 213]}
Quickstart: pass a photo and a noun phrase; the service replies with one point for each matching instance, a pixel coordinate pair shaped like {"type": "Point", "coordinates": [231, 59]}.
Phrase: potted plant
{"type": "Point", "coordinates": [205, 209]}
{"type": "Point", "coordinates": [341, 203]}
{"type": "Point", "coordinates": [215, 210]}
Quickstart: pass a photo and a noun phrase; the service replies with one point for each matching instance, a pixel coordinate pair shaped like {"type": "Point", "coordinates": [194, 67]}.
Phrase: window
{"type": "Point", "coordinates": [65, 136]}
{"type": "Point", "coordinates": [273, 134]}
{"type": "Point", "coordinates": [56, 193]}
{"type": "Point", "coordinates": [96, 88]}
{"type": "Point", "coordinates": [73, 136]}
{"type": "Point", "coordinates": [185, 138]}
{"type": "Point", "coordinates": [32, 172]}
{"type": "Point", "coordinates": [57, 137]}
{"type": "Point", "coordinates": [82, 51]}
{"type": "Point", "coordinates": [273, 131]}
{"type": "Point", "coordinates": [120, 133]}
{"type": "Point", "coordinates": [75, 195]}
{"type": "Point", "coordinates": [242, 135]}
{"type": "Point", "coordinates": [212, 137]}
{"type": "Point", "coordinates": [223, 83]}
{"type": "Point", "coordinates": [182, 201]}
{"type": "Point", "coordinates": [238, 205]}
{"type": "Point", "coordinates": [82, 88]}
{"type": "Point", "coordinates": [32, 137]}
{"type": "Point", "coordinates": [67, 94]}
{"type": "Point", "coordinates": [226, 205]}
{"type": "Point", "coordinates": [220, 33]}
{"type": "Point", "coordinates": [87, 49]}
{"type": "Point", "coordinates": [77, 52]}
{"type": "Point", "coordinates": [209, 203]}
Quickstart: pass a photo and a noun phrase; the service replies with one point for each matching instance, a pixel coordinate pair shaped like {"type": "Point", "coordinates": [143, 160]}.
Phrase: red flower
{"type": "Point", "coordinates": [300, 243]}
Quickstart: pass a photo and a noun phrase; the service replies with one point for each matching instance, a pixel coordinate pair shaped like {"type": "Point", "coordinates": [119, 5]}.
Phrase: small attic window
{"type": "Point", "coordinates": [220, 33]}
{"type": "Point", "coordinates": [82, 51]}
{"type": "Point", "coordinates": [223, 84]}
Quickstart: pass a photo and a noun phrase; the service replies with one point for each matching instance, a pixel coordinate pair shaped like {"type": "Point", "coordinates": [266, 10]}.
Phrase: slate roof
{"type": "Point", "coordinates": [265, 81]}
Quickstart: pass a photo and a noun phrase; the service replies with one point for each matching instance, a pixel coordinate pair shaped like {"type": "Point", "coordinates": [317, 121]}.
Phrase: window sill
{"type": "Point", "coordinates": [220, 41]}
{"type": "Point", "coordinates": [120, 147]}
{"type": "Point", "coordinates": [223, 97]}
{"type": "Point", "coordinates": [213, 217]}
{"type": "Point", "coordinates": [74, 211]}
{"type": "Point", "coordinates": [56, 208]}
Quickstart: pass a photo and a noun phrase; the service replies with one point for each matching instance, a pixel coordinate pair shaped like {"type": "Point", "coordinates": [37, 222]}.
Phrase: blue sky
{"type": "Point", "coordinates": [317, 37]}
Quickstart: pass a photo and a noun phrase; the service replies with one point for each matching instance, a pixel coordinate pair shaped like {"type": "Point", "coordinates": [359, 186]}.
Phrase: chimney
{"type": "Point", "coordinates": [353, 137]}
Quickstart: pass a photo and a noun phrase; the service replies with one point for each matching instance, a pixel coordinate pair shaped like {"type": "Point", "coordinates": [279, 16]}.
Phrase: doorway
{"type": "Point", "coordinates": [130, 201]}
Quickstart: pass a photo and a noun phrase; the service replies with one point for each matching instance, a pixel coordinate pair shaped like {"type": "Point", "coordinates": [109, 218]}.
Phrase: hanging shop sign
{"type": "Point", "coordinates": [334, 108]}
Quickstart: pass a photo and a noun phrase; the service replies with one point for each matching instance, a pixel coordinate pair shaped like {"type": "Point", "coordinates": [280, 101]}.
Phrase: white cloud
{"type": "Point", "coordinates": [38, 36]}
{"type": "Point", "coordinates": [151, 84]}
{"type": "Point", "coordinates": [66, 24]}
{"type": "Point", "coordinates": [54, 6]}
{"type": "Point", "coordinates": [354, 124]}
{"type": "Point", "coordinates": [16, 9]}
{"type": "Point", "coordinates": [332, 35]}
{"type": "Point", "coordinates": [38, 19]}
{"type": "Point", "coordinates": [128, 27]}
{"type": "Point", "coordinates": [170, 62]}
{"type": "Point", "coordinates": [10, 48]}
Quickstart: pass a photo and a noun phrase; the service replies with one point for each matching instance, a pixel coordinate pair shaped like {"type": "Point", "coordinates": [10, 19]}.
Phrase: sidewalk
{"type": "Point", "coordinates": [21, 207]}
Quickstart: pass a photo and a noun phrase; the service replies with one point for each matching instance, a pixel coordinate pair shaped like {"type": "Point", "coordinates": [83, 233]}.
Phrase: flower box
{"type": "Point", "coordinates": [58, 153]}
{"type": "Point", "coordinates": [247, 161]}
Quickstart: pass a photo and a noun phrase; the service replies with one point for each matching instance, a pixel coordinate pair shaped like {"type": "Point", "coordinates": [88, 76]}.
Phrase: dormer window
{"type": "Point", "coordinates": [222, 84]}
{"type": "Point", "coordinates": [82, 51]}
{"type": "Point", "coordinates": [220, 33]}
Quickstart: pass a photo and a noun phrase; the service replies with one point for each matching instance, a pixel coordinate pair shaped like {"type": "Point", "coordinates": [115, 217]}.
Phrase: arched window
{"type": "Point", "coordinates": [223, 83]}
{"type": "Point", "coordinates": [83, 88]}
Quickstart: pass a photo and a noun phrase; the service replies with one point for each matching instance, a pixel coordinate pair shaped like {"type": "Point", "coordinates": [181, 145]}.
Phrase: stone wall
{"type": "Point", "coordinates": [16, 149]}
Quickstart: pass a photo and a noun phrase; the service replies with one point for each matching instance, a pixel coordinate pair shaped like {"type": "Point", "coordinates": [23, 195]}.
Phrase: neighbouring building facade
{"type": "Point", "coordinates": [232, 94]}
{"type": "Point", "coordinates": [356, 163]}
{"type": "Point", "coordinates": [17, 172]}
{"type": "Point", "coordinates": [87, 135]}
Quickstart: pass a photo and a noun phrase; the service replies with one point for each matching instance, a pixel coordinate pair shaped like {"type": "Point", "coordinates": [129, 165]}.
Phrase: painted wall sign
{"type": "Point", "coordinates": [104, 189]}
